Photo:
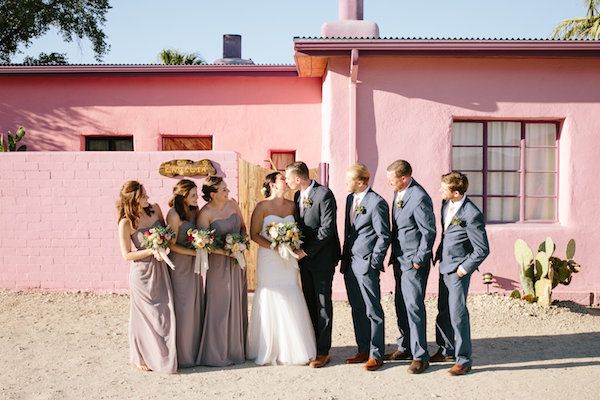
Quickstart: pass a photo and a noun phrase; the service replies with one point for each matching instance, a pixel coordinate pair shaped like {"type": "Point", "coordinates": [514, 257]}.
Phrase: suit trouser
{"type": "Point", "coordinates": [410, 310]}
{"type": "Point", "coordinates": [316, 286]}
{"type": "Point", "coordinates": [364, 295]}
{"type": "Point", "coordinates": [453, 327]}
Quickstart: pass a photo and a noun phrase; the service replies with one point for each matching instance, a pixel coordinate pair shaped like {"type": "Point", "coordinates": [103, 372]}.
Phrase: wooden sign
{"type": "Point", "coordinates": [187, 168]}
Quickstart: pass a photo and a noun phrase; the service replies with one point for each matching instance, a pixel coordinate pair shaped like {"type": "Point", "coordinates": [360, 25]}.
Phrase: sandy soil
{"type": "Point", "coordinates": [74, 346]}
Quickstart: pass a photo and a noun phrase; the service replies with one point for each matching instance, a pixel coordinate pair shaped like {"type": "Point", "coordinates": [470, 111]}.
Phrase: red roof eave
{"type": "Point", "coordinates": [202, 70]}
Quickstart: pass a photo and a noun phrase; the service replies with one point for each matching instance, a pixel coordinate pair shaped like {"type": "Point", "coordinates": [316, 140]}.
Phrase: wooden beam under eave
{"type": "Point", "coordinates": [310, 66]}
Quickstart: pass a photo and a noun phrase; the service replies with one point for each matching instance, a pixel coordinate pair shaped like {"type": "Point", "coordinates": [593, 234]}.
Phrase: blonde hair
{"type": "Point", "coordinates": [360, 172]}
{"type": "Point", "coordinates": [129, 204]}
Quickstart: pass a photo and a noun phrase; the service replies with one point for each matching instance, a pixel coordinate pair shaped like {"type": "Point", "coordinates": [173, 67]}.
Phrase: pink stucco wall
{"type": "Point", "coordinates": [247, 114]}
{"type": "Point", "coordinates": [405, 109]}
{"type": "Point", "coordinates": [59, 228]}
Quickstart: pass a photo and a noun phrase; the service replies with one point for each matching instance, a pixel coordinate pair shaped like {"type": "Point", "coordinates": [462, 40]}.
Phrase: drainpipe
{"type": "Point", "coordinates": [352, 156]}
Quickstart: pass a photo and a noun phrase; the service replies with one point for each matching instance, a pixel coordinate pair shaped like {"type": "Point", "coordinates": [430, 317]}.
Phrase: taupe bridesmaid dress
{"type": "Point", "coordinates": [151, 316]}
{"type": "Point", "coordinates": [188, 291]}
{"type": "Point", "coordinates": [226, 316]}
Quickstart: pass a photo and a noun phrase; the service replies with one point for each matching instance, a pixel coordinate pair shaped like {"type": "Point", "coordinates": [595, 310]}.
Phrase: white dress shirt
{"type": "Point", "coordinates": [450, 210]}
{"type": "Point", "coordinates": [401, 193]}
{"type": "Point", "coordinates": [358, 197]}
{"type": "Point", "coordinates": [304, 195]}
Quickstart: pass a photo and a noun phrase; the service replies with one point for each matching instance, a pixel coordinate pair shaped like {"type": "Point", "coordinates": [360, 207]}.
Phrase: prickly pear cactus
{"type": "Point", "coordinates": [542, 264]}
{"type": "Point", "coordinates": [547, 244]}
{"type": "Point", "coordinates": [543, 290]}
{"type": "Point", "coordinates": [524, 257]}
{"type": "Point", "coordinates": [13, 140]}
{"type": "Point", "coordinates": [571, 249]}
{"type": "Point", "coordinates": [543, 273]}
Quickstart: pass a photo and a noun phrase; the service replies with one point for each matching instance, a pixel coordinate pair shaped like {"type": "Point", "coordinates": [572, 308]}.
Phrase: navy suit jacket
{"type": "Point", "coordinates": [464, 243]}
{"type": "Point", "coordinates": [318, 224]}
{"type": "Point", "coordinates": [413, 228]}
{"type": "Point", "coordinates": [367, 240]}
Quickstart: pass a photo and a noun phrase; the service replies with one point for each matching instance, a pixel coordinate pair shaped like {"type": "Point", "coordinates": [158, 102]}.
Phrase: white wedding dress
{"type": "Point", "coordinates": [280, 329]}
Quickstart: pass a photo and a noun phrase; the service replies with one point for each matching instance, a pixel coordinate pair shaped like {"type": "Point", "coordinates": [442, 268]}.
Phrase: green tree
{"type": "Point", "coordinates": [174, 57]}
{"type": "Point", "coordinates": [587, 27]}
{"type": "Point", "coordinates": [21, 21]}
{"type": "Point", "coordinates": [46, 59]}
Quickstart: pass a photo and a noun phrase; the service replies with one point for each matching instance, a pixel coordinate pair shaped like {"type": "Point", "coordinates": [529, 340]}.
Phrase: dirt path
{"type": "Point", "coordinates": [74, 346]}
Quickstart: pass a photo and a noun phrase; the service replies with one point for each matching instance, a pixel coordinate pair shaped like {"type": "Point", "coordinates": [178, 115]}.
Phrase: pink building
{"type": "Point", "coordinates": [518, 116]}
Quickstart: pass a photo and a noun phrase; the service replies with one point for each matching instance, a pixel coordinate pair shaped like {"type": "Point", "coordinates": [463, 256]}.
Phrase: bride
{"type": "Point", "coordinates": [280, 331]}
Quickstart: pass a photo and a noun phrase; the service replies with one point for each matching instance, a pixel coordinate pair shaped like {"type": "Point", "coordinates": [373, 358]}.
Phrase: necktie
{"type": "Point", "coordinates": [353, 209]}
{"type": "Point", "coordinates": [302, 198]}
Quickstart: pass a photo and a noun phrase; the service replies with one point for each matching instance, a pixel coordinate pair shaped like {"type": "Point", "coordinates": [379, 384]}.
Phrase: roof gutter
{"type": "Point", "coordinates": [431, 47]}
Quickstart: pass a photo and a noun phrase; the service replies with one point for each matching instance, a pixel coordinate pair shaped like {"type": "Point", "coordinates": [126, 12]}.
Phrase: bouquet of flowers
{"type": "Point", "coordinates": [203, 241]}
{"type": "Point", "coordinates": [285, 236]}
{"type": "Point", "coordinates": [236, 243]}
{"type": "Point", "coordinates": [158, 238]}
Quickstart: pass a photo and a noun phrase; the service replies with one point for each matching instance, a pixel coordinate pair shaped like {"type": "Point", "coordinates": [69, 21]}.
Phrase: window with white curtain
{"type": "Point", "coordinates": [512, 168]}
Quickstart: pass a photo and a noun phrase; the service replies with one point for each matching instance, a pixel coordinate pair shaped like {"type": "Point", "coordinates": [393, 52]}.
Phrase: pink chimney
{"type": "Point", "coordinates": [350, 23]}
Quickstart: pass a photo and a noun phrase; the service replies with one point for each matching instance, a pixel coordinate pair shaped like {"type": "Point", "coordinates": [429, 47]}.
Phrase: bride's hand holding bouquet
{"type": "Point", "coordinates": [285, 237]}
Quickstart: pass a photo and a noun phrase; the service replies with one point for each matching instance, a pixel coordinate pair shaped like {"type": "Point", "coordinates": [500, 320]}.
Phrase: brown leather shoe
{"type": "Point", "coordinates": [439, 357]}
{"type": "Point", "coordinates": [418, 366]}
{"type": "Point", "coordinates": [320, 361]}
{"type": "Point", "coordinates": [397, 355]}
{"type": "Point", "coordinates": [458, 369]}
{"type": "Point", "coordinates": [373, 364]}
{"type": "Point", "coordinates": [359, 358]}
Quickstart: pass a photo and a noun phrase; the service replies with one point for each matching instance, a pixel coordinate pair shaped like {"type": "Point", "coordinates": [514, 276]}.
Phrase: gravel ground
{"type": "Point", "coordinates": [74, 346]}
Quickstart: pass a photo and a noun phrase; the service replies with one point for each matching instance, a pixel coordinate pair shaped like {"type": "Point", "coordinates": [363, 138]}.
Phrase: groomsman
{"type": "Point", "coordinates": [316, 216]}
{"type": "Point", "coordinates": [366, 240]}
{"type": "Point", "coordinates": [463, 248]}
{"type": "Point", "coordinates": [413, 233]}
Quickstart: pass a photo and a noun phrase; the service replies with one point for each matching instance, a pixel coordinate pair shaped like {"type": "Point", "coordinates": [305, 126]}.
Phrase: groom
{"type": "Point", "coordinates": [320, 253]}
{"type": "Point", "coordinates": [366, 240]}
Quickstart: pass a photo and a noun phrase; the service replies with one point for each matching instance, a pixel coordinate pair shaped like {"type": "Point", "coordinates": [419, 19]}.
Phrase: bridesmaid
{"type": "Point", "coordinates": [188, 289]}
{"type": "Point", "coordinates": [226, 316]}
{"type": "Point", "coordinates": [151, 316]}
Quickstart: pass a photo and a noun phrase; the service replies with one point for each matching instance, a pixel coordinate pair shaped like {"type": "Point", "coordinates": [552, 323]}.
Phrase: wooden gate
{"type": "Point", "coordinates": [250, 180]}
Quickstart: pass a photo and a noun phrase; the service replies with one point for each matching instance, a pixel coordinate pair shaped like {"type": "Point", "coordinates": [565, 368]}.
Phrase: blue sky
{"type": "Point", "coordinates": [137, 31]}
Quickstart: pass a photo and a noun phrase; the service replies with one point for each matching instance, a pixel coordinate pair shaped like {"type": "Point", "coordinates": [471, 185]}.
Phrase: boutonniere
{"type": "Point", "coordinates": [307, 202]}
{"type": "Point", "coordinates": [457, 221]}
{"type": "Point", "coordinates": [400, 204]}
{"type": "Point", "coordinates": [360, 210]}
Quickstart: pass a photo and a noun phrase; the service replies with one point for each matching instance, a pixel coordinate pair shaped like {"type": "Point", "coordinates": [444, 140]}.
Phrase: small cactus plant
{"type": "Point", "coordinates": [543, 273]}
{"type": "Point", "coordinates": [12, 141]}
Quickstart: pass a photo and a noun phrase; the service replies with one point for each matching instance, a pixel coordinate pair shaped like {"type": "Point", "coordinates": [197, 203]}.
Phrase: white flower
{"type": "Point", "coordinates": [273, 232]}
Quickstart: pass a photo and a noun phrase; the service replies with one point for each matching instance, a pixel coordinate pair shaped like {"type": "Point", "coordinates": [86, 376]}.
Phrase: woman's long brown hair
{"type": "Point", "coordinates": [180, 192]}
{"type": "Point", "coordinates": [128, 205]}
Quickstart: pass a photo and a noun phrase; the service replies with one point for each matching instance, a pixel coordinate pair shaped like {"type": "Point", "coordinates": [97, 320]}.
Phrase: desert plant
{"type": "Point", "coordinates": [12, 141]}
{"type": "Point", "coordinates": [542, 273]}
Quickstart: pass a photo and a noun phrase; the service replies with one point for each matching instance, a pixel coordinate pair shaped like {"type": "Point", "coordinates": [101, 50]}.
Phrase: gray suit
{"type": "Point", "coordinates": [365, 244]}
{"type": "Point", "coordinates": [322, 245]}
{"type": "Point", "coordinates": [464, 243]}
{"type": "Point", "coordinates": [413, 234]}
